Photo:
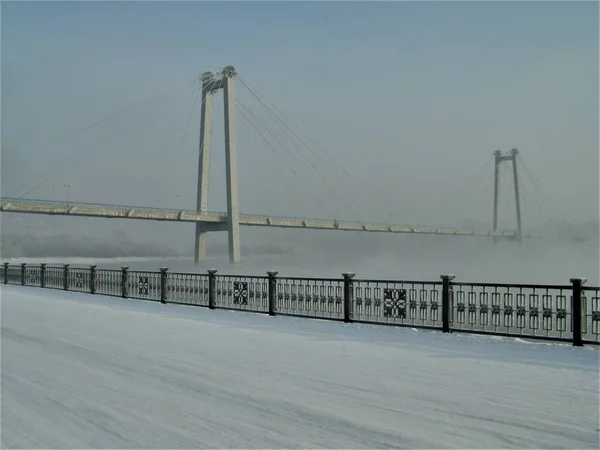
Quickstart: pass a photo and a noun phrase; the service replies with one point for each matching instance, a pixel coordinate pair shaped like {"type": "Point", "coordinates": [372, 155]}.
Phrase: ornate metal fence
{"type": "Point", "coordinates": [78, 279]}
{"type": "Point", "coordinates": [109, 282]}
{"type": "Point", "coordinates": [569, 312]}
{"type": "Point", "coordinates": [590, 314]}
{"type": "Point", "coordinates": [248, 293]}
{"type": "Point", "coordinates": [410, 303]}
{"type": "Point", "coordinates": [143, 285]}
{"type": "Point", "coordinates": [12, 274]}
{"type": "Point", "coordinates": [33, 275]}
{"type": "Point", "coordinates": [188, 289]}
{"type": "Point", "coordinates": [54, 277]}
{"type": "Point", "coordinates": [321, 298]}
{"type": "Point", "coordinates": [513, 310]}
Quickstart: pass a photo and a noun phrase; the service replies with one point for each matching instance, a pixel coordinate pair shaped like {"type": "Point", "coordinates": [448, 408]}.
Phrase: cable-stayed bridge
{"type": "Point", "coordinates": [218, 220]}
{"type": "Point", "coordinates": [293, 149]}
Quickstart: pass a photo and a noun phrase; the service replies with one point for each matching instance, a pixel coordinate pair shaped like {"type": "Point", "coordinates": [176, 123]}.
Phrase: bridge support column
{"type": "Point", "coordinates": [514, 154]}
{"type": "Point", "coordinates": [498, 159]}
{"type": "Point", "coordinates": [233, 210]}
{"type": "Point", "coordinates": [200, 244]}
{"type": "Point", "coordinates": [210, 85]}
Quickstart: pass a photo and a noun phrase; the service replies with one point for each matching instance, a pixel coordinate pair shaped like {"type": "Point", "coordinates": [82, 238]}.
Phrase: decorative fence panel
{"type": "Point", "coordinates": [188, 289]}
{"type": "Point", "coordinates": [514, 310]}
{"type": "Point", "coordinates": [249, 293]}
{"type": "Point", "coordinates": [54, 277]}
{"type": "Point", "coordinates": [78, 279]}
{"type": "Point", "coordinates": [591, 314]}
{"type": "Point", "coordinates": [409, 303]}
{"type": "Point", "coordinates": [321, 298]}
{"type": "Point", "coordinates": [13, 275]}
{"type": "Point", "coordinates": [33, 276]}
{"type": "Point", "coordinates": [143, 285]}
{"type": "Point", "coordinates": [109, 282]}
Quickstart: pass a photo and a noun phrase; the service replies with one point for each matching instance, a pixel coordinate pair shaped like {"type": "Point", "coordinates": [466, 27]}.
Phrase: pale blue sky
{"type": "Point", "coordinates": [413, 97]}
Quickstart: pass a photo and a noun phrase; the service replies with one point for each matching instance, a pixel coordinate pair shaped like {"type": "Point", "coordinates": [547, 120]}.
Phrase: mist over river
{"type": "Point", "coordinates": [400, 258]}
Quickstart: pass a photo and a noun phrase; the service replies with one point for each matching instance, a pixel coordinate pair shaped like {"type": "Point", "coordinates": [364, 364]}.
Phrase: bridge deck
{"type": "Point", "coordinates": [46, 207]}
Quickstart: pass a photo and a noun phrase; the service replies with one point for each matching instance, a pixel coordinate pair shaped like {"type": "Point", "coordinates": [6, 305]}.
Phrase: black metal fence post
{"type": "Point", "coordinates": [124, 278]}
{"type": "Point", "coordinates": [23, 274]}
{"type": "Point", "coordinates": [42, 275]}
{"type": "Point", "coordinates": [446, 302]}
{"type": "Point", "coordinates": [348, 296]}
{"type": "Point", "coordinates": [212, 288]}
{"type": "Point", "coordinates": [66, 277]}
{"type": "Point", "coordinates": [272, 292]}
{"type": "Point", "coordinates": [163, 284]}
{"type": "Point", "coordinates": [576, 310]}
{"type": "Point", "coordinates": [5, 273]}
{"type": "Point", "coordinates": [93, 279]}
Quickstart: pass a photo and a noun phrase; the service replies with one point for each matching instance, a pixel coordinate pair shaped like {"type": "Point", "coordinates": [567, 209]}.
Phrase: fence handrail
{"type": "Point", "coordinates": [362, 280]}
{"type": "Point", "coordinates": [443, 304]}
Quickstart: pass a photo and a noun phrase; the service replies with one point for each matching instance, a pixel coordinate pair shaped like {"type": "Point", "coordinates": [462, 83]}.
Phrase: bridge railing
{"type": "Point", "coordinates": [147, 209]}
{"type": "Point", "coordinates": [564, 312]}
{"type": "Point", "coordinates": [62, 204]}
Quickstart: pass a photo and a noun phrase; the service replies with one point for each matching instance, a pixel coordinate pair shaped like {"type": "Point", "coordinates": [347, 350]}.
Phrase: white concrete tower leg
{"type": "Point", "coordinates": [231, 166]}
{"type": "Point", "coordinates": [204, 164]}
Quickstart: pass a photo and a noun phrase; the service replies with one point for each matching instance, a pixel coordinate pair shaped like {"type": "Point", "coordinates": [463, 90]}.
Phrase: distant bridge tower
{"type": "Point", "coordinates": [499, 157]}
{"type": "Point", "coordinates": [212, 83]}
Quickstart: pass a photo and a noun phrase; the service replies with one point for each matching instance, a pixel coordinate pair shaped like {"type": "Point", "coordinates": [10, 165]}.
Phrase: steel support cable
{"type": "Point", "coordinates": [284, 146]}
{"type": "Point", "coordinates": [70, 164]}
{"type": "Point", "coordinates": [294, 155]}
{"type": "Point", "coordinates": [248, 127]}
{"type": "Point", "coordinates": [535, 181]}
{"type": "Point", "coordinates": [179, 145]}
{"type": "Point", "coordinates": [483, 196]}
{"type": "Point", "coordinates": [275, 152]}
{"type": "Point", "coordinates": [68, 159]}
{"type": "Point", "coordinates": [526, 198]}
{"type": "Point", "coordinates": [546, 204]}
{"type": "Point", "coordinates": [196, 96]}
{"type": "Point", "coordinates": [358, 193]}
{"type": "Point", "coordinates": [537, 184]}
{"type": "Point", "coordinates": [473, 179]}
{"type": "Point", "coordinates": [541, 206]}
{"type": "Point", "coordinates": [545, 211]}
{"type": "Point", "coordinates": [523, 197]}
{"type": "Point", "coordinates": [248, 120]}
{"type": "Point", "coordinates": [288, 130]}
{"type": "Point", "coordinates": [134, 103]}
{"type": "Point", "coordinates": [331, 188]}
{"type": "Point", "coordinates": [72, 160]}
{"type": "Point", "coordinates": [280, 157]}
{"type": "Point", "coordinates": [284, 126]}
{"type": "Point", "coordinates": [257, 92]}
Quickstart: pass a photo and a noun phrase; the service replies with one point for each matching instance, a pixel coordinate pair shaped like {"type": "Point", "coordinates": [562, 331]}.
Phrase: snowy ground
{"type": "Point", "coordinates": [82, 371]}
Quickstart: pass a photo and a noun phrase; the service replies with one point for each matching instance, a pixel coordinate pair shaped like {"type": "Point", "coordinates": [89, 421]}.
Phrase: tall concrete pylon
{"type": "Point", "coordinates": [212, 83]}
{"type": "Point", "coordinates": [499, 157]}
